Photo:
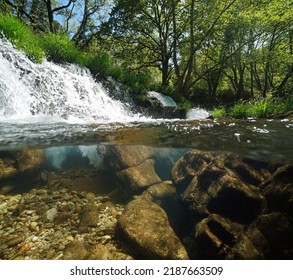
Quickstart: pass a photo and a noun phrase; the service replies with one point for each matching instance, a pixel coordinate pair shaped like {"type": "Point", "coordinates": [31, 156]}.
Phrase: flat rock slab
{"type": "Point", "coordinates": [145, 226]}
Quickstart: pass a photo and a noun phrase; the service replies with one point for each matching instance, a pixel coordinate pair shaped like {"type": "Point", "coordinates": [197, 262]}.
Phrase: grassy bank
{"type": "Point", "coordinates": [60, 49]}
{"type": "Point", "coordinates": [256, 108]}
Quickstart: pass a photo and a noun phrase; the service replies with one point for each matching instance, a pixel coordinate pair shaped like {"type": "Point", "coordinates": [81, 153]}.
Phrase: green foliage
{"type": "Point", "coordinates": [218, 113]}
{"type": "Point", "coordinates": [239, 111]}
{"type": "Point", "coordinates": [21, 36]}
{"type": "Point", "coordinates": [257, 108]}
{"type": "Point", "coordinates": [282, 105]}
{"type": "Point", "coordinates": [138, 83]}
{"type": "Point", "coordinates": [260, 108]}
{"type": "Point", "coordinates": [59, 48]}
{"type": "Point", "coordinates": [100, 64]}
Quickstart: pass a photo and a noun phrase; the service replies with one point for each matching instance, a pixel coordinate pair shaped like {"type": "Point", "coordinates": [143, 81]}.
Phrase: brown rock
{"type": "Point", "coordinates": [25, 162]}
{"type": "Point", "coordinates": [245, 250]}
{"type": "Point", "coordinates": [215, 236]}
{"type": "Point", "coordinates": [137, 178]}
{"type": "Point", "coordinates": [161, 193]}
{"type": "Point", "coordinates": [279, 190]}
{"type": "Point", "coordinates": [89, 217]}
{"type": "Point", "coordinates": [189, 165]}
{"type": "Point", "coordinates": [75, 250]}
{"type": "Point", "coordinates": [144, 225]}
{"type": "Point", "coordinates": [99, 252]}
{"type": "Point", "coordinates": [123, 156]}
{"type": "Point", "coordinates": [221, 184]}
{"type": "Point", "coordinates": [278, 230]}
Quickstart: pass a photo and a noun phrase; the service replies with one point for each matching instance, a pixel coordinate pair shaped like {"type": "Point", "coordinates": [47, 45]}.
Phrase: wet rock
{"type": "Point", "coordinates": [89, 217]}
{"type": "Point", "coordinates": [33, 226]}
{"type": "Point", "coordinates": [75, 250]}
{"type": "Point", "coordinates": [123, 156]}
{"type": "Point", "coordinates": [19, 165]}
{"type": "Point", "coordinates": [144, 226]}
{"type": "Point", "coordinates": [162, 194]}
{"type": "Point", "coordinates": [215, 236]}
{"type": "Point", "coordinates": [189, 165]}
{"type": "Point", "coordinates": [13, 241]}
{"type": "Point", "coordinates": [137, 178]}
{"type": "Point", "coordinates": [279, 190]}
{"type": "Point", "coordinates": [236, 201]}
{"type": "Point", "coordinates": [245, 250]}
{"type": "Point", "coordinates": [51, 214]}
{"type": "Point", "coordinates": [218, 183]}
{"type": "Point", "coordinates": [30, 161]}
{"type": "Point", "coordinates": [277, 230]}
{"type": "Point", "coordinates": [99, 252]}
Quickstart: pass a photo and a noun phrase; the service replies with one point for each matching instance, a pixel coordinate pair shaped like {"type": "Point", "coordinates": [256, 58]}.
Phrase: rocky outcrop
{"type": "Point", "coordinates": [133, 168]}
{"type": "Point", "coordinates": [240, 208]}
{"type": "Point", "coordinates": [17, 165]}
{"type": "Point", "coordinates": [219, 183]}
{"type": "Point", "coordinates": [145, 227]}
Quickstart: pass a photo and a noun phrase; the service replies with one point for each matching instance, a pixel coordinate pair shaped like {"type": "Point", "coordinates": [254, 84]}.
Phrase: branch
{"type": "Point", "coordinates": [63, 7]}
{"type": "Point", "coordinates": [20, 9]}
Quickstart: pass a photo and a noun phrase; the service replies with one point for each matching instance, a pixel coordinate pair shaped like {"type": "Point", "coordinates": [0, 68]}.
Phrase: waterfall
{"type": "Point", "coordinates": [54, 92]}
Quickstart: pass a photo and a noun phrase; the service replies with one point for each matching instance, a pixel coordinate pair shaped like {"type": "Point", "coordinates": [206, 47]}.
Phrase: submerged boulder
{"type": "Point", "coordinates": [17, 165]}
{"type": "Point", "coordinates": [145, 227]}
{"type": "Point", "coordinates": [240, 208]}
{"type": "Point", "coordinates": [119, 157]}
{"type": "Point", "coordinates": [279, 190]}
{"type": "Point", "coordinates": [133, 167]}
{"type": "Point", "coordinates": [20, 163]}
{"type": "Point", "coordinates": [218, 183]}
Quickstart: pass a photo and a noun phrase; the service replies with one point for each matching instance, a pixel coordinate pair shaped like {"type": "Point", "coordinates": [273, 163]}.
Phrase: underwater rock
{"type": "Point", "coordinates": [123, 156]}
{"type": "Point", "coordinates": [215, 236]}
{"type": "Point", "coordinates": [162, 193]}
{"type": "Point", "coordinates": [279, 190]}
{"type": "Point", "coordinates": [245, 250]}
{"type": "Point", "coordinates": [220, 184]}
{"type": "Point", "coordinates": [75, 250]}
{"type": "Point", "coordinates": [277, 231]}
{"type": "Point", "coordinates": [241, 208]}
{"type": "Point", "coordinates": [144, 226]}
{"type": "Point", "coordinates": [21, 163]}
{"type": "Point", "coordinates": [99, 252]}
{"type": "Point", "coordinates": [134, 180]}
{"type": "Point", "coordinates": [189, 165]}
{"type": "Point", "coordinates": [89, 217]}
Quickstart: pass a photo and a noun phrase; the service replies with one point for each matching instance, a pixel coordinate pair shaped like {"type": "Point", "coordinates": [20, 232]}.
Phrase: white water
{"type": "Point", "coordinates": [197, 114]}
{"type": "Point", "coordinates": [51, 92]}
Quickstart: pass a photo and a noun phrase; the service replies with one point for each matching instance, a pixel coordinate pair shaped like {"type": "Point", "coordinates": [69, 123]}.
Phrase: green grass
{"type": "Point", "coordinates": [218, 113]}
{"type": "Point", "coordinates": [239, 111]}
{"type": "Point", "coordinates": [21, 36]}
{"type": "Point", "coordinates": [59, 48]}
{"type": "Point", "coordinates": [256, 108]}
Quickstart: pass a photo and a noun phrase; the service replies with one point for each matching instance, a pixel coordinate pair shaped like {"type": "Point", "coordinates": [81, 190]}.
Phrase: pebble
{"type": "Point", "coordinates": [3, 207]}
{"type": "Point", "coordinates": [33, 226]}
{"type": "Point", "coordinates": [32, 230]}
{"type": "Point", "coordinates": [35, 239]}
{"type": "Point", "coordinates": [13, 241]}
{"type": "Point", "coordinates": [51, 214]}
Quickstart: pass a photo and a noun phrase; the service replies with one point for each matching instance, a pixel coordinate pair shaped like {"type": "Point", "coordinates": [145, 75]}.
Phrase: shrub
{"type": "Point", "coordinates": [100, 63]}
{"type": "Point", "coordinates": [218, 113]}
{"type": "Point", "coordinates": [59, 48]}
{"type": "Point", "coordinates": [239, 110]}
{"type": "Point", "coordinates": [259, 108]}
{"type": "Point", "coordinates": [21, 36]}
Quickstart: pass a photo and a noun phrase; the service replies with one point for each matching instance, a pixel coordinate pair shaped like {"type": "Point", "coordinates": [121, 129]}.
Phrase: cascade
{"type": "Point", "coordinates": [58, 92]}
